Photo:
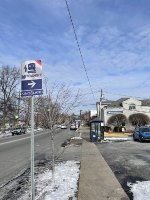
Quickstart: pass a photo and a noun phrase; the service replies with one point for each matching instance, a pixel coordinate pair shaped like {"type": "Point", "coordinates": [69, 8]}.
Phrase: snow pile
{"type": "Point", "coordinates": [140, 190]}
{"type": "Point", "coordinates": [76, 138]}
{"type": "Point", "coordinates": [5, 134]}
{"type": "Point", "coordinates": [63, 186]}
{"type": "Point", "coordinates": [28, 130]}
{"type": "Point", "coordinates": [118, 138]}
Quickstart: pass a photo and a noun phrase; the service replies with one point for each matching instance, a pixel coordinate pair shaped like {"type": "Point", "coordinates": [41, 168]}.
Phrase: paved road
{"type": "Point", "coordinates": [130, 161]}
{"type": "Point", "coordinates": [15, 151]}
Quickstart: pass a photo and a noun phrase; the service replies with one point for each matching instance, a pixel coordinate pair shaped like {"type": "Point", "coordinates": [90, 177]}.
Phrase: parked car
{"type": "Point", "coordinates": [73, 127]}
{"type": "Point", "coordinates": [63, 126]}
{"type": "Point", "coordinates": [141, 133]}
{"type": "Point", "coordinates": [18, 131]}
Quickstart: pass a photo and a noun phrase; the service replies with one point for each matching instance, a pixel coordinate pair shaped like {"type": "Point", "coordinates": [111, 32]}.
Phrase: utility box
{"type": "Point", "coordinates": [96, 129]}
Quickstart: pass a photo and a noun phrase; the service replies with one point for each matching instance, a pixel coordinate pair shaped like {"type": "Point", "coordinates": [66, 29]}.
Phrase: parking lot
{"type": "Point", "coordinates": [129, 160]}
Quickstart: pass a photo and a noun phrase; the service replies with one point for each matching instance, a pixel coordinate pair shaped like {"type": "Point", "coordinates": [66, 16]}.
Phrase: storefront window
{"type": "Point", "coordinates": [132, 107]}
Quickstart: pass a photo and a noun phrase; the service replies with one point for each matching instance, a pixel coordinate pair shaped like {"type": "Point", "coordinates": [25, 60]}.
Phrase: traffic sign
{"type": "Point", "coordinates": [31, 84]}
{"type": "Point", "coordinates": [31, 92]}
{"type": "Point", "coordinates": [31, 70]}
{"type": "Point", "coordinates": [31, 75]}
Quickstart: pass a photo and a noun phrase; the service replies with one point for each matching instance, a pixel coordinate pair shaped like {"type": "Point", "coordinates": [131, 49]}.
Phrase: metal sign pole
{"type": "Point", "coordinates": [31, 85]}
{"type": "Point", "coordinates": [32, 149]}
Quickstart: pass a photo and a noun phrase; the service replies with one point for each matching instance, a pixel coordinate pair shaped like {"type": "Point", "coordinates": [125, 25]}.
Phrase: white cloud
{"type": "Point", "coordinates": [116, 55]}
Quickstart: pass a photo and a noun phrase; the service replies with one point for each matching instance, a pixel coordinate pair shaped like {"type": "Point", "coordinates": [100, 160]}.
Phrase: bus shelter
{"type": "Point", "coordinates": [96, 130]}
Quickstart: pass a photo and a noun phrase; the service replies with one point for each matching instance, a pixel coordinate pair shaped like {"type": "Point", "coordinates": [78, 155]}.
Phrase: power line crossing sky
{"type": "Point", "coordinates": [114, 36]}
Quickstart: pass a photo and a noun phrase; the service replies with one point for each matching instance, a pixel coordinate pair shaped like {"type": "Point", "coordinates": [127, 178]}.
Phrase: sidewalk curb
{"type": "Point", "coordinates": [97, 181]}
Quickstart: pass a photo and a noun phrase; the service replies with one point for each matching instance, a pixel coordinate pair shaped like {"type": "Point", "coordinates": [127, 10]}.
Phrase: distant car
{"type": "Point", "coordinates": [18, 131]}
{"type": "Point", "coordinates": [63, 126]}
{"type": "Point", "coordinates": [73, 127]}
{"type": "Point", "coordinates": [39, 129]}
{"type": "Point", "coordinates": [141, 133]}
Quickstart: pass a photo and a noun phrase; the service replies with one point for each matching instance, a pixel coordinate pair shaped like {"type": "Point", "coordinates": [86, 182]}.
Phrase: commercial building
{"type": "Point", "coordinates": [125, 106]}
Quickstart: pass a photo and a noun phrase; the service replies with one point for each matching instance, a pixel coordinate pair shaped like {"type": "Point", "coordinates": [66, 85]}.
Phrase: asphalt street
{"type": "Point", "coordinates": [15, 151]}
{"type": "Point", "coordinates": [129, 160]}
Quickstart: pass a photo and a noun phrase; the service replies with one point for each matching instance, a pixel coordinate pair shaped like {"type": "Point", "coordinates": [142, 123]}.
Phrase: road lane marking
{"type": "Point", "coordinates": [19, 139]}
{"type": "Point", "coordinates": [13, 141]}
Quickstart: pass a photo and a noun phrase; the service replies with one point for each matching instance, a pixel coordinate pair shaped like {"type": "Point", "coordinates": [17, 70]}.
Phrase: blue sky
{"type": "Point", "coordinates": [114, 36]}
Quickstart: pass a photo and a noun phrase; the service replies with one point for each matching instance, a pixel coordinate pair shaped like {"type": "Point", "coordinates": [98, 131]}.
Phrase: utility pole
{"type": "Point", "coordinates": [100, 104]}
{"type": "Point", "coordinates": [80, 114]}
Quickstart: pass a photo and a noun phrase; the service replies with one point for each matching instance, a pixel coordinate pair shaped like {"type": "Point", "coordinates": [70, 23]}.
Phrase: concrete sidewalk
{"type": "Point", "coordinates": [97, 181]}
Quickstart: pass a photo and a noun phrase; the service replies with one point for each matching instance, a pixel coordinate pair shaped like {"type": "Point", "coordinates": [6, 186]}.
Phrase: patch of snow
{"type": "Point", "coordinates": [140, 190]}
{"type": "Point", "coordinates": [28, 130]}
{"type": "Point", "coordinates": [138, 162]}
{"type": "Point", "coordinates": [5, 134]}
{"type": "Point", "coordinates": [63, 186]}
{"type": "Point", "coordinates": [76, 138]}
{"type": "Point", "coordinates": [118, 138]}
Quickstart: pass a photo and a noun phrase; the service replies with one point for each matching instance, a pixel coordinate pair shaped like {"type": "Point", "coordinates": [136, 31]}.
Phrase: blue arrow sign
{"type": "Point", "coordinates": [31, 85]}
{"type": "Point", "coordinates": [31, 73]}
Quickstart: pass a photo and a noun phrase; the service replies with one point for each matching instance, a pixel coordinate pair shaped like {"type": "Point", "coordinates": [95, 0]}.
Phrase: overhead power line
{"type": "Point", "coordinates": [80, 52]}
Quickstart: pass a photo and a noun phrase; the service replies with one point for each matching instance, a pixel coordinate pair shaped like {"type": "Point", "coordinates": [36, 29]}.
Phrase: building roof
{"type": "Point", "coordinates": [122, 99]}
{"type": "Point", "coordinates": [106, 102]}
{"type": "Point", "coordinates": [110, 103]}
{"type": "Point", "coordinates": [118, 103]}
{"type": "Point", "coordinates": [145, 102]}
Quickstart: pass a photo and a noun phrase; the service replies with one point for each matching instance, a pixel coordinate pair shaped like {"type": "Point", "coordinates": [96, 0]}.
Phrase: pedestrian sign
{"type": "Point", "coordinates": [31, 78]}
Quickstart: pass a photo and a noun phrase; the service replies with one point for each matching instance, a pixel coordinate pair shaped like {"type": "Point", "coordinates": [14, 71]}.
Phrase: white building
{"type": "Point", "coordinates": [93, 113]}
{"type": "Point", "coordinates": [126, 106]}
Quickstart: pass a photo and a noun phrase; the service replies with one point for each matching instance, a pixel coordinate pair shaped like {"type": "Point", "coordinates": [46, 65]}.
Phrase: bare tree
{"type": "Point", "coordinates": [25, 110]}
{"type": "Point", "coordinates": [53, 108]}
{"type": "Point", "coordinates": [9, 80]}
{"type": "Point", "coordinates": [139, 119]}
{"type": "Point", "coordinates": [117, 120]}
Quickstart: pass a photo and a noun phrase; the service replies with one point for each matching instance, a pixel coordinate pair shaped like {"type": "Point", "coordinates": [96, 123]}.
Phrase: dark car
{"type": "Point", "coordinates": [18, 131]}
{"type": "Point", "coordinates": [141, 133]}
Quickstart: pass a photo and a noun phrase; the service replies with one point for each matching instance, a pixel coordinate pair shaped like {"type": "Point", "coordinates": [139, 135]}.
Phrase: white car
{"type": "Point", "coordinates": [73, 127]}
{"type": "Point", "coordinates": [39, 129]}
{"type": "Point", "coordinates": [63, 126]}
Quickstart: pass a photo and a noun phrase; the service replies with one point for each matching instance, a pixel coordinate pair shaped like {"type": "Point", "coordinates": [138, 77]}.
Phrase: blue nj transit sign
{"type": "Point", "coordinates": [31, 83]}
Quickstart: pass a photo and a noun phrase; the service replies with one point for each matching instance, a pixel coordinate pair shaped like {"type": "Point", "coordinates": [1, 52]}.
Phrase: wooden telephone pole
{"type": "Point", "coordinates": [100, 104]}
